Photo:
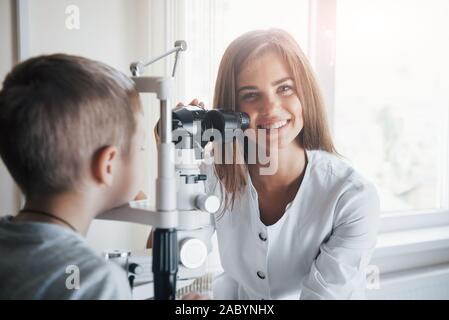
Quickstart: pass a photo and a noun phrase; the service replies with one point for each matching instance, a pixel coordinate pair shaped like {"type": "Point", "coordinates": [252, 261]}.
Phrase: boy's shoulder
{"type": "Point", "coordinates": [98, 280]}
{"type": "Point", "coordinates": [44, 261]}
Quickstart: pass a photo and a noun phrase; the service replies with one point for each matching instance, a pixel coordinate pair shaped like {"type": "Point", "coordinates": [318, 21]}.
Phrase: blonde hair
{"type": "Point", "coordinates": [246, 48]}
{"type": "Point", "coordinates": [57, 111]}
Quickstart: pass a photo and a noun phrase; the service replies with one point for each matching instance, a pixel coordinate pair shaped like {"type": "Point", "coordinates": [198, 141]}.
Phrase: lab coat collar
{"type": "Point", "coordinates": [253, 198]}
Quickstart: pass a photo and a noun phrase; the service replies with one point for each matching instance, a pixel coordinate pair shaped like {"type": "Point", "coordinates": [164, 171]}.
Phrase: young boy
{"type": "Point", "coordinates": [71, 136]}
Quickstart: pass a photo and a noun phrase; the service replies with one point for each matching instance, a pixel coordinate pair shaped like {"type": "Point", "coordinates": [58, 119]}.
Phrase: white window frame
{"type": "Point", "coordinates": [322, 35]}
{"type": "Point", "coordinates": [406, 237]}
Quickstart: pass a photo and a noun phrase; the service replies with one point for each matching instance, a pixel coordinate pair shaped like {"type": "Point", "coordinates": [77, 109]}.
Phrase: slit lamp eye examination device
{"type": "Point", "coordinates": [183, 218]}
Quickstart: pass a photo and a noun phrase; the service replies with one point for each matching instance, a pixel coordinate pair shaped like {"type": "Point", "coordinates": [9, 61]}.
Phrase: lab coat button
{"type": "Point", "coordinates": [262, 236]}
{"type": "Point", "coordinates": [261, 275]}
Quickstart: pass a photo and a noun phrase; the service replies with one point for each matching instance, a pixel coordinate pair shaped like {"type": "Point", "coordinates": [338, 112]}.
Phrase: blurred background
{"type": "Point", "coordinates": [383, 69]}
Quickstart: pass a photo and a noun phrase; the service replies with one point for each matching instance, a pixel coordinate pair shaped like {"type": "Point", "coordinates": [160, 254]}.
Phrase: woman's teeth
{"type": "Point", "coordinates": [275, 125]}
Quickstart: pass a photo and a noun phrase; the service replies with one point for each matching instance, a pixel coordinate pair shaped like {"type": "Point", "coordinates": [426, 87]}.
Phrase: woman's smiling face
{"type": "Point", "coordinates": [267, 93]}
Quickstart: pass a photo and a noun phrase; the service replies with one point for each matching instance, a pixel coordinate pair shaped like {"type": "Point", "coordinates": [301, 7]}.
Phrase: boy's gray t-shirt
{"type": "Point", "coordinates": [41, 261]}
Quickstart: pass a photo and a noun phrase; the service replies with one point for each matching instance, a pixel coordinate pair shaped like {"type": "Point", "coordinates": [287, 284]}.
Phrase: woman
{"type": "Point", "coordinates": [306, 229]}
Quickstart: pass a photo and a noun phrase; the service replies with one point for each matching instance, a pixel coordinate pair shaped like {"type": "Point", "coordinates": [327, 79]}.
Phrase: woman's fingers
{"type": "Point", "coordinates": [194, 296]}
{"type": "Point", "coordinates": [140, 196]}
{"type": "Point", "coordinates": [195, 102]}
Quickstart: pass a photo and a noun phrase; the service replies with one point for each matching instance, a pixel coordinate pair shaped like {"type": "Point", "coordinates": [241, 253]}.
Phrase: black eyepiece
{"type": "Point", "coordinates": [191, 122]}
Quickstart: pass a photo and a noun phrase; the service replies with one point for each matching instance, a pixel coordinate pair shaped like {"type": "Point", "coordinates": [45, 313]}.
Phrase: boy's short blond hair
{"type": "Point", "coordinates": [56, 112]}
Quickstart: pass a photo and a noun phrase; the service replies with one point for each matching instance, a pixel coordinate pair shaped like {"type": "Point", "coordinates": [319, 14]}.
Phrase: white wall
{"type": "Point", "coordinates": [9, 197]}
{"type": "Point", "coordinates": [113, 31]}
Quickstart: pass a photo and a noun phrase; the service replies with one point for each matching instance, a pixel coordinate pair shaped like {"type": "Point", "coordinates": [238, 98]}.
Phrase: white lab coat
{"type": "Point", "coordinates": [320, 247]}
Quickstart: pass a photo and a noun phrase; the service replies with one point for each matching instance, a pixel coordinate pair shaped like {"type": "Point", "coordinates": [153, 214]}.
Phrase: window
{"type": "Point", "coordinates": [392, 98]}
{"type": "Point", "coordinates": [384, 71]}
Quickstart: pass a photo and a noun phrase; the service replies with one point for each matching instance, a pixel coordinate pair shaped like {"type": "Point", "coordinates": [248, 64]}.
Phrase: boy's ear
{"type": "Point", "coordinates": [105, 165]}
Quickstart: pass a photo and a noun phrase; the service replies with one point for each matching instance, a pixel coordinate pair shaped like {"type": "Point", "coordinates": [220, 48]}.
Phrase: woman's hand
{"type": "Point", "coordinates": [140, 196]}
{"type": "Point", "coordinates": [195, 102]}
{"type": "Point", "coordinates": [194, 296]}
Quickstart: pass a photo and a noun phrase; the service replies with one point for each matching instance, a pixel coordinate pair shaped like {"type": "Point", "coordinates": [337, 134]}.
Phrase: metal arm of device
{"type": "Point", "coordinates": [192, 213]}
{"type": "Point", "coordinates": [138, 67]}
